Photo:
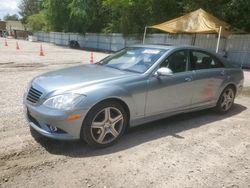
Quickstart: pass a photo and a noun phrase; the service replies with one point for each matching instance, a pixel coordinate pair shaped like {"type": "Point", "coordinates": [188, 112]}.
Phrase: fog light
{"type": "Point", "coordinates": [52, 128]}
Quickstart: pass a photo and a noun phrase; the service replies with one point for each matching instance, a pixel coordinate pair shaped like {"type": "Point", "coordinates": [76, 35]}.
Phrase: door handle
{"type": "Point", "coordinates": [188, 79]}
{"type": "Point", "coordinates": [222, 72]}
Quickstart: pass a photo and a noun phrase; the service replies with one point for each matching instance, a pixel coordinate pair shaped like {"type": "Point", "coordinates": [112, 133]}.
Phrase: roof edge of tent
{"type": "Point", "coordinates": [210, 30]}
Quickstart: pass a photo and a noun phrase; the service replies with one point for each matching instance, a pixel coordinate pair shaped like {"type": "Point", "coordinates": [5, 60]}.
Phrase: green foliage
{"type": "Point", "coordinates": [78, 14]}
{"type": "Point", "coordinates": [163, 10]}
{"type": "Point", "coordinates": [13, 17]}
{"type": "Point", "coordinates": [99, 16]}
{"type": "Point", "coordinates": [37, 22]}
{"type": "Point", "coordinates": [74, 15]}
{"type": "Point", "coordinates": [125, 16]}
{"type": "Point", "coordinates": [237, 12]}
{"type": "Point", "coordinates": [57, 14]}
{"type": "Point", "coordinates": [28, 8]}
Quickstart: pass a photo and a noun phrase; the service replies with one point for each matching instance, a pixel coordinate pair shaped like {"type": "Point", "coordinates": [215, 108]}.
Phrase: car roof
{"type": "Point", "coordinates": [170, 46]}
{"type": "Point", "coordinates": [181, 46]}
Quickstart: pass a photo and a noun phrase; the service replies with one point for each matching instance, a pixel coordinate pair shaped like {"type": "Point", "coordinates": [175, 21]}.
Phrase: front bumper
{"type": "Point", "coordinates": [53, 123]}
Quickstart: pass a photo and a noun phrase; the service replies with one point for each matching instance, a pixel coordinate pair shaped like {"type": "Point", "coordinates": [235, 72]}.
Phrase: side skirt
{"type": "Point", "coordinates": [151, 118]}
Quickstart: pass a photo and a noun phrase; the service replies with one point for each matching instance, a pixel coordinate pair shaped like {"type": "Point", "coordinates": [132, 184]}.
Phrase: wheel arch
{"type": "Point", "coordinates": [218, 107]}
{"type": "Point", "coordinates": [112, 99]}
{"type": "Point", "coordinates": [233, 86]}
{"type": "Point", "coordinates": [230, 85]}
{"type": "Point", "coordinates": [223, 88]}
{"type": "Point", "coordinates": [118, 100]}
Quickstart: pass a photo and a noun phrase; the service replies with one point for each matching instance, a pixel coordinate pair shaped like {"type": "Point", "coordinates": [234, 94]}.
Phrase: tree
{"type": "Point", "coordinates": [13, 17]}
{"type": "Point", "coordinates": [131, 16]}
{"type": "Point", "coordinates": [99, 15]}
{"type": "Point", "coordinates": [28, 8]}
{"type": "Point", "coordinates": [79, 15]}
{"type": "Point", "coordinates": [237, 12]}
{"type": "Point", "coordinates": [57, 14]}
{"type": "Point", "coordinates": [37, 22]}
{"type": "Point", "coordinates": [125, 16]}
{"type": "Point", "coordinates": [75, 15]}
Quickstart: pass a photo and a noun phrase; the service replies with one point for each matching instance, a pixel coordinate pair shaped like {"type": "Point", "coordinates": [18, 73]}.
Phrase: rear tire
{"type": "Point", "coordinates": [104, 124]}
{"type": "Point", "coordinates": [226, 100]}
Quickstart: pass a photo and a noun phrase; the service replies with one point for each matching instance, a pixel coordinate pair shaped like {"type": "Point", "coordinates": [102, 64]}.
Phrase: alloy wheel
{"type": "Point", "coordinates": [227, 99]}
{"type": "Point", "coordinates": [107, 125]}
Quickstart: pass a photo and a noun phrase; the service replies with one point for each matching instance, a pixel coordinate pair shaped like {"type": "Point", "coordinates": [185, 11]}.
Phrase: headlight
{"type": "Point", "coordinates": [64, 102]}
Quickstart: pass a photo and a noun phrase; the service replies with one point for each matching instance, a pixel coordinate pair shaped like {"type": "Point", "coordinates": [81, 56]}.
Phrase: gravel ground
{"type": "Point", "coordinates": [200, 149]}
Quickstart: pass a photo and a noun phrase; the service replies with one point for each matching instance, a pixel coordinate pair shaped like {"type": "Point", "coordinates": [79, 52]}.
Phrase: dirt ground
{"type": "Point", "coordinates": [200, 149]}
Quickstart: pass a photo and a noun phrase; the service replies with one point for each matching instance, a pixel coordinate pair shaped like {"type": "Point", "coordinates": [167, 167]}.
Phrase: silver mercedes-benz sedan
{"type": "Point", "coordinates": [138, 84]}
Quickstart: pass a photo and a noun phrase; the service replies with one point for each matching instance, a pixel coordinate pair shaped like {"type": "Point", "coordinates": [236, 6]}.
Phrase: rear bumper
{"type": "Point", "coordinates": [53, 123]}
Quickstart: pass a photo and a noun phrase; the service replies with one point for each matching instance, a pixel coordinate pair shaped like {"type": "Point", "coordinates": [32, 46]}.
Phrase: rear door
{"type": "Point", "coordinates": [208, 78]}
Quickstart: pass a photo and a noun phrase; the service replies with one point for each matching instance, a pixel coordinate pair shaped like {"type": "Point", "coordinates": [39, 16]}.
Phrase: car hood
{"type": "Point", "coordinates": [77, 77]}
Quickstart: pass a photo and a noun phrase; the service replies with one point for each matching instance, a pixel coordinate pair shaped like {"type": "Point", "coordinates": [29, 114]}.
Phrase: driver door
{"type": "Point", "coordinates": [171, 93]}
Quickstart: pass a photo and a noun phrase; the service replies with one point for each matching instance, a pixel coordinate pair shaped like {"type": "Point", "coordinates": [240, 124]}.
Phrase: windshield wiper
{"type": "Point", "coordinates": [129, 70]}
{"type": "Point", "coordinates": [112, 67]}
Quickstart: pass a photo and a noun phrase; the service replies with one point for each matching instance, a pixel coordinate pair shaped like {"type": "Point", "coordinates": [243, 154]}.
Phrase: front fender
{"type": "Point", "coordinates": [98, 94]}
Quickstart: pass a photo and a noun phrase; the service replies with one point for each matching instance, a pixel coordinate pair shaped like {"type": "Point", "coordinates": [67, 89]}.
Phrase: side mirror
{"type": "Point", "coordinates": [164, 71]}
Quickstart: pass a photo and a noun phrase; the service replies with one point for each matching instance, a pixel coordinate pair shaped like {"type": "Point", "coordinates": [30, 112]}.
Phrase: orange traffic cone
{"type": "Point", "coordinates": [6, 44]}
{"type": "Point", "coordinates": [91, 58]}
{"type": "Point", "coordinates": [17, 46]}
{"type": "Point", "coordinates": [41, 50]}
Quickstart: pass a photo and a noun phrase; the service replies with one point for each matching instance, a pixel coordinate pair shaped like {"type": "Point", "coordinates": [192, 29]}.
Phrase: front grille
{"type": "Point", "coordinates": [34, 95]}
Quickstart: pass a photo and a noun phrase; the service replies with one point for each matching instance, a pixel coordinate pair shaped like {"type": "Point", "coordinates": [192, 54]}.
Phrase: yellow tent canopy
{"type": "Point", "coordinates": [198, 21]}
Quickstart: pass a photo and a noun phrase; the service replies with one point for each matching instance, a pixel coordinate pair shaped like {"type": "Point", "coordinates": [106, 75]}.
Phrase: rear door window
{"type": "Point", "coordinates": [202, 60]}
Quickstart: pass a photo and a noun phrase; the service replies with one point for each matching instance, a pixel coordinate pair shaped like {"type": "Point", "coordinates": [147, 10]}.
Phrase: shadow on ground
{"type": "Point", "coordinates": [138, 135]}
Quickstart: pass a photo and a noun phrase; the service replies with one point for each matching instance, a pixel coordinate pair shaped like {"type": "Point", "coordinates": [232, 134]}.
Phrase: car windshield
{"type": "Point", "coordinates": [133, 59]}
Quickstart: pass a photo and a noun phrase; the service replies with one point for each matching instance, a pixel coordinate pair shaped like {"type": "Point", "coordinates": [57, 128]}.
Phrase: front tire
{"type": "Point", "coordinates": [226, 100]}
{"type": "Point", "coordinates": [104, 124]}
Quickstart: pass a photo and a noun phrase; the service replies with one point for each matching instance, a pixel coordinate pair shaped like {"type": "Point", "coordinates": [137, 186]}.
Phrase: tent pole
{"type": "Point", "coordinates": [218, 41]}
{"type": "Point", "coordinates": [144, 36]}
{"type": "Point", "coordinates": [194, 39]}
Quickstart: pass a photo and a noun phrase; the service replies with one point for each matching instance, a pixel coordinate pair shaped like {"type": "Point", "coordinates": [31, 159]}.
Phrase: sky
{"type": "Point", "coordinates": [8, 6]}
